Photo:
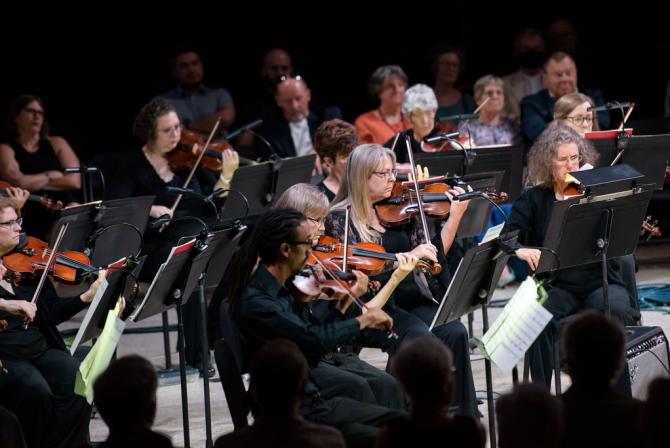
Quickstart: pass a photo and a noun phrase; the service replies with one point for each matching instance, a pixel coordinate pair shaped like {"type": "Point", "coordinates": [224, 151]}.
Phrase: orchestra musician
{"type": "Point", "coordinates": [369, 178]}
{"type": "Point", "coordinates": [333, 141]}
{"type": "Point", "coordinates": [37, 382]}
{"type": "Point", "coordinates": [558, 151]}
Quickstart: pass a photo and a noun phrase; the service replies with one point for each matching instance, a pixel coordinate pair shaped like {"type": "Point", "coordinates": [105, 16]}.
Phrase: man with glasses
{"type": "Point", "coordinates": [560, 78]}
{"type": "Point", "coordinates": [199, 106]}
{"type": "Point", "coordinates": [38, 374]}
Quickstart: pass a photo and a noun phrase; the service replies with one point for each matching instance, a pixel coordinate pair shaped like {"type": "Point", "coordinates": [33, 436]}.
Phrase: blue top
{"type": "Point", "coordinates": [205, 101]}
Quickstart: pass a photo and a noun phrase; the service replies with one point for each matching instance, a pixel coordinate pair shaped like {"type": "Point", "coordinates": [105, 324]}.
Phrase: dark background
{"type": "Point", "coordinates": [95, 74]}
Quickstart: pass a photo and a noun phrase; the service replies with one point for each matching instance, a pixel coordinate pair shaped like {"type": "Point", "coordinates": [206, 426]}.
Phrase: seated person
{"type": "Point", "coordinates": [424, 368]}
{"type": "Point", "coordinates": [278, 376]}
{"type": "Point", "coordinates": [571, 109]}
{"type": "Point", "coordinates": [447, 68]}
{"type": "Point", "coordinates": [334, 140]}
{"type": "Point", "coordinates": [387, 84]}
{"type": "Point", "coordinates": [33, 159]}
{"type": "Point", "coordinates": [125, 396]}
{"type": "Point", "coordinates": [595, 414]}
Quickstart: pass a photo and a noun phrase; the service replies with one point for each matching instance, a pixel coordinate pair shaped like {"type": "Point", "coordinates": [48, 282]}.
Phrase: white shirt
{"type": "Point", "coordinates": [301, 138]}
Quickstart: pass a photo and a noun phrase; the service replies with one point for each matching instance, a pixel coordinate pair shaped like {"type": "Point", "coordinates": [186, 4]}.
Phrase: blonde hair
{"type": "Point", "coordinates": [363, 161]}
{"type": "Point", "coordinates": [306, 198]}
{"type": "Point", "coordinates": [567, 103]}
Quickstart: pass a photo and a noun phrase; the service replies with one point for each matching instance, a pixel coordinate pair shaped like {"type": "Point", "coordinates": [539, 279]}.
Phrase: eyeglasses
{"type": "Point", "coordinates": [571, 159]}
{"type": "Point", "coordinates": [176, 128]}
{"type": "Point", "coordinates": [492, 93]}
{"type": "Point", "coordinates": [13, 223]}
{"type": "Point", "coordinates": [34, 112]}
{"type": "Point", "coordinates": [580, 119]}
{"type": "Point", "coordinates": [283, 78]}
{"type": "Point", "coordinates": [318, 222]}
{"type": "Point", "coordinates": [390, 174]}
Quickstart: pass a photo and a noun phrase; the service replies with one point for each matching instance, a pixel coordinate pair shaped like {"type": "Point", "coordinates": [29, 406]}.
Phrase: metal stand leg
{"type": "Point", "coordinates": [182, 375]}
{"type": "Point", "coordinates": [557, 366]}
{"type": "Point", "coordinates": [489, 383]}
{"type": "Point", "coordinates": [205, 357]}
{"type": "Point", "coordinates": [166, 340]}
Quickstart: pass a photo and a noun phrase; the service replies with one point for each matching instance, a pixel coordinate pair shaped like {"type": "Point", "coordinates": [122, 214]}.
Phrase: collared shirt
{"type": "Point", "coordinates": [266, 311]}
{"type": "Point", "coordinates": [301, 138]}
{"type": "Point", "coordinates": [204, 101]}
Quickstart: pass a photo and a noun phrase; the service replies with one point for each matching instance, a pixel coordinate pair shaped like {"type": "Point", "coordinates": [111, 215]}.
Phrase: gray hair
{"type": "Point", "coordinates": [380, 75]}
{"type": "Point", "coordinates": [419, 96]}
{"type": "Point", "coordinates": [484, 81]}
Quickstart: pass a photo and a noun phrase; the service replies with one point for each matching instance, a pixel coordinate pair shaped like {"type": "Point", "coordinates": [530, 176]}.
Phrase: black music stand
{"type": "Point", "coordinates": [472, 287]}
{"type": "Point", "coordinates": [648, 154]}
{"type": "Point", "coordinates": [255, 183]}
{"type": "Point", "coordinates": [164, 293]}
{"type": "Point", "coordinates": [293, 170]}
{"type": "Point", "coordinates": [477, 215]}
{"type": "Point", "coordinates": [604, 224]}
{"type": "Point", "coordinates": [117, 284]}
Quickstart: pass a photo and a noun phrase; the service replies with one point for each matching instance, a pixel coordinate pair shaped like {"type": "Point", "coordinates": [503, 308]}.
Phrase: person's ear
{"type": "Point", "coordinates": [285, 249]}
{"type": "Point", "coordinates": [328, 162]}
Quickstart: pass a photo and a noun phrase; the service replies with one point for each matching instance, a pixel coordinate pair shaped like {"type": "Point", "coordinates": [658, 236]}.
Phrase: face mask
{"type": "Point", "coordinates": [531, 59]}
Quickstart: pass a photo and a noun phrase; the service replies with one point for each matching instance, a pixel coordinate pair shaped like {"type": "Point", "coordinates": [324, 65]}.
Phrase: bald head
{"type": "Point", "coordinates": [276, 63]}
{"type": "Point", "coordinates": [293, 97]}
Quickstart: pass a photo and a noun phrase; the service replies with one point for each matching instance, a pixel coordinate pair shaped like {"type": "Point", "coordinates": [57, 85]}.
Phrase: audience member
{"type": "Point", "coordinates": [448, 66]}
{"type": "Point", "coordinates": [278, 379]}
{"type": "Point", "coordinates": [388, 84]}
{"type": "Point", "coordinates": [595, 414]}
{"type": "Point", "coordinates": [125, 396]}
{"type": "Point", "coordinates": [529, 417]}
{"type": "Point", "coordinates": [424, 368]}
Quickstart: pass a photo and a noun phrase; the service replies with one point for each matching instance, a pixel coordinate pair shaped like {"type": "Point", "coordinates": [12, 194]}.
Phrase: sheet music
{"type": "Point", "coordinates": [513, 332]}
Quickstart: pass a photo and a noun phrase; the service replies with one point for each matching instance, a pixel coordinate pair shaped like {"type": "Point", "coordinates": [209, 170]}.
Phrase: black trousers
{"type": "Point", "coordinates": [40, 392]}
{"type": "Point", "coordinates": [562, 304]}
{"type": "Point", "coordinates": [408, 324]}
{"type": "Point", "coordinates": [346, 375]}
{"type": "Point", "coordinates": [359, 422]}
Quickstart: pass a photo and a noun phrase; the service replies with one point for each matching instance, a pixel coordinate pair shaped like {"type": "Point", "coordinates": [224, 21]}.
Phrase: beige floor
{"type": "Point", "coordinates": [169, 415]}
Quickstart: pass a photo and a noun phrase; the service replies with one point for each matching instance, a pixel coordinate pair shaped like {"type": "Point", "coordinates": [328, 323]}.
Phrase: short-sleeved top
{"type": "Point", "coordinates": [373, 129]}
{"type": "Point", "coordinates": [466, 105]}
{"type": "Point", "coordinates": [204, 101]}
{"type": "Point", "coordinates": [506, 132]}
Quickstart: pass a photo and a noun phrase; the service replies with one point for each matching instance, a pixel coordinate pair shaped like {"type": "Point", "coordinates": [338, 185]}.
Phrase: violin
{"type": "Point", "coordinates": [307, 285]}
{"type": "Point", "coordinates": [183, 158]}
{"type": "Point", "coordinates": [368, 258]}
{"type": "Point", "coordinates": [402, 205]}
{"type": "Point", "coordinates": [68, 267]}
{"type": "Point", "coordinates": [47, 202]}
{"type": "Point", "coordinates": [650, 229]}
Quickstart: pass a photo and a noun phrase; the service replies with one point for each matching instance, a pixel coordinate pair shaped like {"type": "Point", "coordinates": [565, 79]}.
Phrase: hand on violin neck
{"type": "Point", "coordinates": [375, 318]}
{"type": "Point", "coordinates": [422, 251]}
{"type": "Point", "coordinates": [87, 297]}
{"type": "Point", "coordinates": [406, 264]}
{"type": "Point", "coordinates": [359, 286]}
{"type": "Point", "coordinates": [458, 208]}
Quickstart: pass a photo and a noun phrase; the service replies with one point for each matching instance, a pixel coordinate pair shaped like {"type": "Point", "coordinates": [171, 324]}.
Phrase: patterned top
{"type": "Point", "coordinates": [506, 132]}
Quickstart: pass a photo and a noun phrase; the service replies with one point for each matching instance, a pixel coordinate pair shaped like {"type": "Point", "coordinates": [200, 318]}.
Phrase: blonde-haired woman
{"type": "Point", "coordinates": [369, 178]}
{"type": "Point", "coordinates": [572, 110]}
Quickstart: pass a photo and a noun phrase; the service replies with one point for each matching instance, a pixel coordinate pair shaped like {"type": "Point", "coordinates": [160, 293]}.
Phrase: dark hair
{"type": "Point", "coordinates": [423, 366]}
{"type": "Point", "coordinates": [273, 228]}
{"type": "Point", "coordinates": [19, 103]}
{"type": "Point", "coordinates": [144, 126]}
{"type": "Point", "coordinates": [278, 374]}
{"type": "Point", "coordinates": [125, 393]}
{"type": "Point", "coordinates": [182, 49]}
{"type": "Point", "coordinates": [379, 76]}
{"type": "Point", "coordinates": [594, 349]}
{"type": "Point", "coordinates": [529, 416]}
{"type": "Point", "coordinates": [335, 137]}
{"type": "Point", "coordinates": [448, 48]}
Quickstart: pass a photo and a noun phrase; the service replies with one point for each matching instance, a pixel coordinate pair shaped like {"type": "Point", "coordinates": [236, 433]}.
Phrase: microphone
{"type": "Point", "coordinates": [442, 137]}
{"type": "Point", "coordinates": [189, 191]}
{"type": "Point", "coordinates": [247, 127]}
{"type": "Point", "coordinates": [459, 117]}
{"type": "Point", "coordinates": [609, 106]}
{"type": "Point", "coordinates": [470, 195]}
{"type": "Point", "coordinates": [81, 169]}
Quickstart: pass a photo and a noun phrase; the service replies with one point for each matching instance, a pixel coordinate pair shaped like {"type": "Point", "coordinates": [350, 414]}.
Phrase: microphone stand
{"type": "Point", "coordinates": [86, 184]}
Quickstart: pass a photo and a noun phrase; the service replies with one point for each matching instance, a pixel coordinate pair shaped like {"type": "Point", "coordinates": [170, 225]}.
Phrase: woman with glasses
{"type": "Point", "coordinates": [33, 159]}
{"type": "Point", "coordinates": [369, 178]}
{"type": "Point", "coordinates": [38, 374]}
{"type": "Point", "coordinates": [492, 127]}
{"type": "Point", "coordinates": [572, 109]}
{"type": "Point", "coordinates": [560, 150]}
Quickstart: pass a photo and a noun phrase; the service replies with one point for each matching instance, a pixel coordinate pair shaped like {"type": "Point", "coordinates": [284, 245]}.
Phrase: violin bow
{"type": "Point", "coordinates": [625, 118]}
{"type": "Point", "coordinates": [197, 162]}
{"type": "Point", "coordinates": [50, 263]}
{"type": "Point", "coordinates": [419, 202]}
{"type": "Point", "coordinates": [482, 105]}
{"type": "Point", "coordinates": [345, 255]}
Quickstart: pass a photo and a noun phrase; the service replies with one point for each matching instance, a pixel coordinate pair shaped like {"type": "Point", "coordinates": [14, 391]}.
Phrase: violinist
{"type": "Point", "coordinates": [148, 172]}
{"type": "Point", "coordinates": [334, 140]}
{"type": "Point", "coordinates": [38, 385]}
{"type": "Point", "coordinates": [369, 179]}
{"type": "Point", "coordinates": [264, 309]}
{"type": "Point", "coordinates": [492, 127]}
{"type": "Point", "coordinates": [199, 107]}
{"type": "Point", "coordinates": [33, 159]}
{"type": "Point", "coordinates": [560, 150]}
{"type": "Point", "coordinates": [342, 374]}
